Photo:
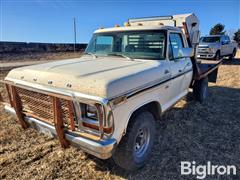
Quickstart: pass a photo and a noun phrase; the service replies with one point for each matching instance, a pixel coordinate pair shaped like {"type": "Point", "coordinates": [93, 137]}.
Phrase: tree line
{"type": "Point", "coordinates": [218, 29]}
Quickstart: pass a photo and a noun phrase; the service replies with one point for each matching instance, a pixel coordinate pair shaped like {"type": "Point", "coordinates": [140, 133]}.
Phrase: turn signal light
{"type": "Point", "coordinates": [126, 24]}
{"type": "Point", "coordinates": [93, 126]}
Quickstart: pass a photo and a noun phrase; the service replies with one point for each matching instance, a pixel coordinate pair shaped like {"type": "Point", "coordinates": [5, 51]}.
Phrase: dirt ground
{"type": "Point", "coordinates": [190, 131]}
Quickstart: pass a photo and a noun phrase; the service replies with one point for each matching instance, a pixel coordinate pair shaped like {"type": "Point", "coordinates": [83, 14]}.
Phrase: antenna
{"type": "Point", "coordinates": [75, 34]}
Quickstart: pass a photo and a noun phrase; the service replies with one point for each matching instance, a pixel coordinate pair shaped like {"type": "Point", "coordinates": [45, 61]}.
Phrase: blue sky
{"type": "Point", "coordinates": [52, 21]}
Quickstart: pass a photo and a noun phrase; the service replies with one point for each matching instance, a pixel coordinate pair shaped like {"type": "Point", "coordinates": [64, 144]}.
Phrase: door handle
{"type": "Point", "coordinates": [179, 70]}
{"type": "Point", "coordinates": [188, 64]}
{"type": "Point", "coordinates": [166, 71]}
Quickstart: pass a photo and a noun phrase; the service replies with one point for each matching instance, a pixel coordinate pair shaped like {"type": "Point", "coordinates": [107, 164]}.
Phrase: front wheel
{"type": "Point", "coordinates": [233, 54]}
{"type": "Point", "coordinates": [218, 55]}
{"type": "Point", "coordinates": [200, 89]}
{"type": "Point", "coordinates": [135, 147]}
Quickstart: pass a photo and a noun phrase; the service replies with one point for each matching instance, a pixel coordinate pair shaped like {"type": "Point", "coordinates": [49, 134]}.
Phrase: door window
{"type": "Point", "coordinates": [223, 39]}
{"type": "Point", "coordinates": [227, 39]}
{"type": "Point", "coordinates": [175, 44]}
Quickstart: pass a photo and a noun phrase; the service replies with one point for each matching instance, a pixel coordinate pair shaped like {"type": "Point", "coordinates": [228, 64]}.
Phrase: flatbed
{"type": "Point", "coordinates": [205, 68]}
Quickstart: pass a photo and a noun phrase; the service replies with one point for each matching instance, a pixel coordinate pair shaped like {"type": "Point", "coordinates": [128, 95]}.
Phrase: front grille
{"type": "Point", "coordinates": [55, 109]}
{"type": "Point", "coordinates": [65, 112]}
{"type": "Point", "coordinates": [202, 50]}
{"type": "Point", "coordinates": [40, 106]}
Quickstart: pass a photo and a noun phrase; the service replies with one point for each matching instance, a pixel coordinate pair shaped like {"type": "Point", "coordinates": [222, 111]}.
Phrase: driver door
{"type": "Point", "coordinates": [179, 66]}
{"type": "Point", "coordinates": [224, 46]}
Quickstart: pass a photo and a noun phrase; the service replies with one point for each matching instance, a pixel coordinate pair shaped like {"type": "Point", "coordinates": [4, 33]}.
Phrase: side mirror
{"type": "Point", "coordinates": [225, 42]}
{"type": "Point", "coordinates": [186, 52]}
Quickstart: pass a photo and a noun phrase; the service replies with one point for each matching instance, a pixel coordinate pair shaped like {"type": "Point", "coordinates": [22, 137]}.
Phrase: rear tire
{"type": "Point", "coordinates": [200, 89]}
{"type": "Point", "coordinates": [135, 147]}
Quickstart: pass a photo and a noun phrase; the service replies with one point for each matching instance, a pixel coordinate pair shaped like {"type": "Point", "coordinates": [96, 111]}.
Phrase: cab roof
{"type": "Point", "coordinates": [218, 35]}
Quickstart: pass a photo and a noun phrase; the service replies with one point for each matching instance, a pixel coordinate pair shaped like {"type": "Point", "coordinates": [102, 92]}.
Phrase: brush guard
{"type": "Point", "coordinates": [60, 121]}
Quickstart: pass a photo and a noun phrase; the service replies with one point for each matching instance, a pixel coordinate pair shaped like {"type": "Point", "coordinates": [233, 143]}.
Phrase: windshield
{"type": "Point", "coordinates": [211, 39]}
{"type": "Point", "coordinates": [139, 45]}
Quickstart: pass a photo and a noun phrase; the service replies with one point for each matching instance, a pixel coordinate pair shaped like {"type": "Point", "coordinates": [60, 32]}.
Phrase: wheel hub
{"type": "Point", "coordinates": [141, 142]}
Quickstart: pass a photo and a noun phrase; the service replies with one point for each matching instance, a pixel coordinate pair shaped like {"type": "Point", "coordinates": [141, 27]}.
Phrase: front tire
{"type": "Point", "coordinates": [233, 54]}
{"type": "Point", "coordinates": [135, 147]}
{"type": "Point", "coordinates": [218, 55]}
{"type": "Point", "coordinates": [200, 90]}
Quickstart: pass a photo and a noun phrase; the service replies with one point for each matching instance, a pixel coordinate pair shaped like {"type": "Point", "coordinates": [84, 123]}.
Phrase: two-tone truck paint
{"type": "Point", "coordinates": [107, 101]}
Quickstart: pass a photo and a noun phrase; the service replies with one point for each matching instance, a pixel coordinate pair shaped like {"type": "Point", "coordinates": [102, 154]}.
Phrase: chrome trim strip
{"type": "Point", "coordinates": [102, 149]}
{"type": "Point", "coordinates": [90, 121]}
{"type": "Point", "coordinates": [139, 88]}
{"type": "Point", "coordinates": [151, 85]}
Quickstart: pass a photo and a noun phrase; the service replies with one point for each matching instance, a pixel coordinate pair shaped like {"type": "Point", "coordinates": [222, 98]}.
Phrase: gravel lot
{"type": "Point", "coordinates": [189, 131]}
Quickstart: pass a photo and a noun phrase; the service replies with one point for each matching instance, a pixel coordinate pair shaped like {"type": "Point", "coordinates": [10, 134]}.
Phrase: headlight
{"type": "Point", "coordinates": [93, 117]}
{"type": "Point", "coordinates": [91, 112]}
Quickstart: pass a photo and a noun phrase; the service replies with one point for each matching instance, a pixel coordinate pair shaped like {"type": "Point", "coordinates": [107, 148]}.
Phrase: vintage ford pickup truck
{"type": "Point", "coordinates": [107, 101]}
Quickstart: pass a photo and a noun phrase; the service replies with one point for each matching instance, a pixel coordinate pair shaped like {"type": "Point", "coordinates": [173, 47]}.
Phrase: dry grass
{"type": "Point", "coordinates": [189, 131]}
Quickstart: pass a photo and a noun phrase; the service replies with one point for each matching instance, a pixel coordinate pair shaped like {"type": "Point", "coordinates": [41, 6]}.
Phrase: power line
{"type": "Point", "coordinates": [75, 34]}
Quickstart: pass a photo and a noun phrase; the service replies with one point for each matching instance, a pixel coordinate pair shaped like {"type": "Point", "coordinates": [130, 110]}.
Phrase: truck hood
{"type": "Point", "coordinates": [105, 77]}
{"type": "Point", "coordinates": [208, 45]}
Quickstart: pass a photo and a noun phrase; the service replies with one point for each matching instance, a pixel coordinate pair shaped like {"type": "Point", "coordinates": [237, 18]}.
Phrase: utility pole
{"type": "Point", "coordinates": [75, 34]}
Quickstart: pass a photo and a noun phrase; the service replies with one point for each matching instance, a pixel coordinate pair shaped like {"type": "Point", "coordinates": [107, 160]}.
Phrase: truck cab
{"type": "Point", "coordinates": [107, 101]}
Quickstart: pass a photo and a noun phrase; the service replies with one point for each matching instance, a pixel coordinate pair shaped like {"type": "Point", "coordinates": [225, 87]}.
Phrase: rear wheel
{"type": "Point", "coordinates": [200, 89]}
{"type": "Point", "coordinates": [135, 147]}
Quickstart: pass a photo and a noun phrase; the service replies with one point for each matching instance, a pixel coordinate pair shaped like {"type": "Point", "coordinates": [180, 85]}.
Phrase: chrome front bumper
{"type": "Point", "coordinates": [101, 149]}
{"type": "Point", "coordinates": [206, 55]}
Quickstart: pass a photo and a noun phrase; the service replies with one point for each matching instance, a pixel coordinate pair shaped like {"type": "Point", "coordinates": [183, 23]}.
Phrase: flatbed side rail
{"type": "Point", "coordinates": [201, 70]}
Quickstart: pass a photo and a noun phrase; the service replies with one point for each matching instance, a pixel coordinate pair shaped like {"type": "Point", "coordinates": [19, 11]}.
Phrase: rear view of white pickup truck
{"type": "Point", "coordinates": [107, 101]}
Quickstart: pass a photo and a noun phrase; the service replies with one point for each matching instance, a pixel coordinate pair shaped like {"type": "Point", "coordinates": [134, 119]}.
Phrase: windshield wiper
{"type": "Point", "coordinates": [89, 53]}
{"type": "Point", "coordinates": [122, 55]}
